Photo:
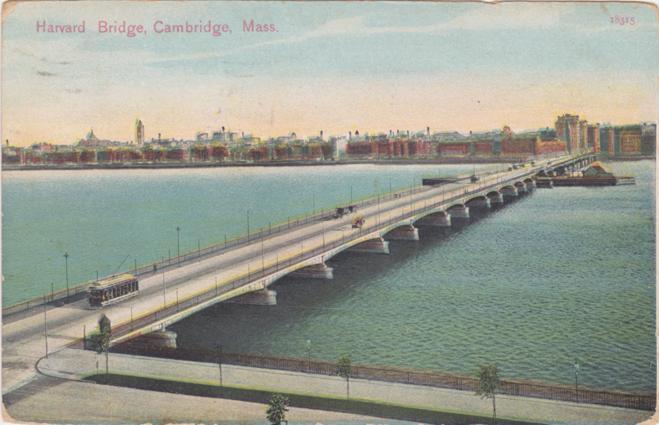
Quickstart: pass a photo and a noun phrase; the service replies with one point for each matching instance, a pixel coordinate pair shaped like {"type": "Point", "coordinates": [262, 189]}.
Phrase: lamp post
{"type": "Point", "coordinates": [178, 244]}
{"type": "Point", "coordinates": [262, 256]}
{"type": "Point", "coordinates": [45, 329]}
{"type": "Point", "coordinates": [164, 295]}
{"type": "Point", "coordinates": [247, 225]}
{"type": "Point", "coordinates": [66, 272]}
{"type": "Point", "coordinates": [576, 379]}
{"type": "Point", "coordinates": [308, 355]}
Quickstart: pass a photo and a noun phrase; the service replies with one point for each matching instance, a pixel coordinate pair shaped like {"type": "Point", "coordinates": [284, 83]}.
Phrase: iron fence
{"type": "Point", "coordinates": [520, 388]}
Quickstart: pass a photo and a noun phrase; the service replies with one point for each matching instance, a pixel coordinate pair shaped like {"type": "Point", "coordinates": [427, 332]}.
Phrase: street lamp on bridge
{"type": "Point", "coordinates": [66, 272]}
{"type": "Point", "coordinates": [247, 225]}
{"type": "Point", "coordinates": [178, 244]}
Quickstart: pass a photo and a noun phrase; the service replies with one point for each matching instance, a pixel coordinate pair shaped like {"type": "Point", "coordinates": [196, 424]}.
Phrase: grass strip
{"type": "Point", "coordinates": [307, 401]}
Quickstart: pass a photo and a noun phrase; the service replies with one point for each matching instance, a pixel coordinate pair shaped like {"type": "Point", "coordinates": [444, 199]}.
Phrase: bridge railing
{"type": "Point", "coordinates": [520, 388]}
{"type": "Point", "coordinates": [250, 276]}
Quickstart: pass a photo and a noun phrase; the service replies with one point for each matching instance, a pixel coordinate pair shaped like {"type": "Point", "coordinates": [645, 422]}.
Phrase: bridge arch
{"type": "Point", "coordinates": [530, 184]}
{"type": "Point", "coordinates": [403, 232]}
{"type": "Point", "coordinates": [521, 187]}
{"type": "Point", "coordinates": [479, 202]}
{"type": "Point", "coordinates": [435, 219]}
{"type": "Point", "coordinates": [495, 197]}
{"type": "Point", "coordinates": [458, 211]}
{"type": "Point", "coordinates": [509, 192]}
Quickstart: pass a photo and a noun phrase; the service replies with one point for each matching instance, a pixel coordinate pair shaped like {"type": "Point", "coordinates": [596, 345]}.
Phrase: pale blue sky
{"type": "Point", "coordinates": [333, 66]}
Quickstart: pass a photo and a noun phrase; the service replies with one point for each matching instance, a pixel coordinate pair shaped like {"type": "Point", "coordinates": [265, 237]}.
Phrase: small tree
{"type": "Point", "coordinates": [488, 385]}
{"type": "Point", "coordinates": [344, 369]}
{"type": "Point", "coordinates": [277, 408]}
{"type": "Point", "coordinates": [103, 338]}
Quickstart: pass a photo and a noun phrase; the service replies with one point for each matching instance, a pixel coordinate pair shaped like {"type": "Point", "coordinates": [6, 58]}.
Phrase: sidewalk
{"type": "Point", "coordinates": [76, 364]}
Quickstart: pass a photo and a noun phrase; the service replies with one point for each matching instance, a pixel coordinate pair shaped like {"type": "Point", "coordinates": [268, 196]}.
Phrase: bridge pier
{"type": "Point", "coordinates": [372, 246]}
{"type": "Point", "coordinates": [260, 297]}
{"type": "Point", "coordinates": [314, 271]}
{"type": "Point", "coordinates": [438, 219]}
{"type": "Point", "coordinates": [530, 185]}
{"type": "Point", "coordinates": [521, 188]}
{"type": "Point", "coordinates": [509, 193]}
{"type": "Point", "coordinates": [404, 233]}
{"type": "Point", "coordinates": [495, 200]}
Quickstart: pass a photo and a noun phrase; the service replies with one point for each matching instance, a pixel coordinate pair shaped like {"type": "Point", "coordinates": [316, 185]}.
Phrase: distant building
{"type": "Point", "coordinates": [629, 137]}
{"type": "Point", "coordinates": [593, 137]}
{"type": "Point", "coordinates": [648, 139]}
{"type": "Point", "coordinates": [568, 130]}
{"type": "Point", "coordinates": [628, 140]}
{"type": "Point", "coordinates": [139, 132]}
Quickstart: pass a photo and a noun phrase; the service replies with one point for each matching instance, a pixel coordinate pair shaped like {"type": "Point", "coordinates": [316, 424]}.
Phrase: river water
{"type": "Point", "coordinates": [560, 276]}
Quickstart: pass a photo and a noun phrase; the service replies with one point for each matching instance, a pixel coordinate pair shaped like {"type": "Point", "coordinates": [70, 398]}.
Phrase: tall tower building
{"type": "Point", "coordinates": [139, 132]}
{"type": "Point", "coordinates": [568, 130]}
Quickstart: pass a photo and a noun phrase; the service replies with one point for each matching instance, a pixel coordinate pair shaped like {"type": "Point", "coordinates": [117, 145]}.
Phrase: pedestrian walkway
{"type": "Point", "coordinates": [77, 364]}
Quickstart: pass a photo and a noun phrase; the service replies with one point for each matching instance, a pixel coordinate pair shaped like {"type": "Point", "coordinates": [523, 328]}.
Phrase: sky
{"type": "Point", "coordinates": [336, 67]}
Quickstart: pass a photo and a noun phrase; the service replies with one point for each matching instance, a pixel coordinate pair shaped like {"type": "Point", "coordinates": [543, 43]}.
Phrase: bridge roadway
{"type": "Point", "coordinates": [170, 296]}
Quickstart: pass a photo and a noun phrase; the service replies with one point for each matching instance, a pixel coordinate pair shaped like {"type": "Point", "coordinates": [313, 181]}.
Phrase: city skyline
{"type": "Point", "coordinates": [331, 68]}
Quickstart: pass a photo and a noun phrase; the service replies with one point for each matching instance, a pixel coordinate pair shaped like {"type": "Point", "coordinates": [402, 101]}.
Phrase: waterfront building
{"type": "Point", "coordinates": [648, 139]}
{"type": "Point", "coordinates": [593, 137]}
{"type": "Point", "coordinates": [139, 132]}
{"type": "Point", "coordinates": [628, 138]}
{"type": "Point", "coordinates": [610, 138]}
{"type": "Point", "coordinates": [12, 155]}
{"type": "Point", "coordinates": [567, 129]}
{"type": "Point", "coordinates": [583, 135]}
{"type": "Point", "coordinates": [455, 149]}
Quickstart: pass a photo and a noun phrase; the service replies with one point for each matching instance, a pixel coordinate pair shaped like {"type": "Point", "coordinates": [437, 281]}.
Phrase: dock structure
{"type": "Point", "coordinates": [593, 175]}
{"type": "Point", "coordinates": [167, 296]}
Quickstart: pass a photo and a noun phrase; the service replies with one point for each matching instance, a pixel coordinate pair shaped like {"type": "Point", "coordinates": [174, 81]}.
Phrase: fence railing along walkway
{"type": "Point", "coordinates": [520, 388]}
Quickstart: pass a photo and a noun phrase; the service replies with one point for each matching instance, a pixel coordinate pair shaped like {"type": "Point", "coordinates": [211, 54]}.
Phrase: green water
{"type": "Point", "coordinates": [562, 275]}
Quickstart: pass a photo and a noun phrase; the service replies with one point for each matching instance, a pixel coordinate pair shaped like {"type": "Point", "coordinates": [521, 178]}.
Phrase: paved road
{"type": "Point", "coordinates": [73, 364]}
{"type": "Point", "coordinates": [23, 339]}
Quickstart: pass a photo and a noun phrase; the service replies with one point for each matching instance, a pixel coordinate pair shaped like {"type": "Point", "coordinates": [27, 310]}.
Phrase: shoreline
{"type": "Point", "coordinates": [175, 165]}
{"type": "Point", "coordinates": [232, 164]}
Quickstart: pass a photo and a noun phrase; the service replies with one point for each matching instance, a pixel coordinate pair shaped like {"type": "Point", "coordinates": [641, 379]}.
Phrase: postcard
{"type": "Point", "coordinates": [329, 212]}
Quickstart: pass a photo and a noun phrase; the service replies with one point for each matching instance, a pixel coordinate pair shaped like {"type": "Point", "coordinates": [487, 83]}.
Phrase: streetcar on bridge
{"type": "Point", "coordinates": [113, 290]}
